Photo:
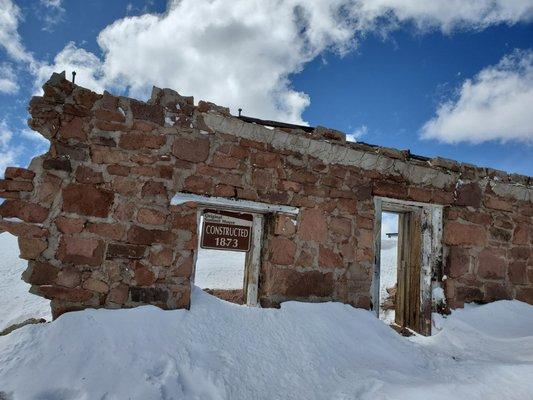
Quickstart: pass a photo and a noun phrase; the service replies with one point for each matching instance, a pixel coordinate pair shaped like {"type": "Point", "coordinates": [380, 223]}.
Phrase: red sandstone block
{"type": "Point", "coordinates": [389, 189]}
{"type": "Point", "coordinates": [16, 186]}
{"type": "Point", "coordinates": [148, 112]}
{"type": "Point", "coordinates": [458, 261]}
{"type": "Point", "coordinates": [291, 186]}
{"type": "Point", "coordinates": [152, 188]}
{"type": "Point", "coordinates": [120, 170]}
{"type": "Point", "coordinates": [110, 126]}
{"type": "Point", "coordinates": [469, 194]}
{"type": "Point", "coordinates": [69, 225]}
{"type": "Point", "coordinates": [73, 249]}
{"type": "Point", "coordinates": [520, 234]}
{"type": "Point", "coordinates": [39, 273]}
{"type": "Point", "coordinates": [109, 115]}
{"type": "Point", "coordinates": [162, 257]}
{"type": "Point", "coordinates": [518, 272]}
{"type": "Point", "coordinates": [490, 265]}
{"type": "Point", "coordinates": [193, 149]}
{"type": "Point", "coordinates": [284, 225]}
{"type": "Point", "coordinates": [525, 294]}
{"type": "Point", "coordinates": [73, 129]}
{"type": "Point", "coordinates": [108, 230]}
{"type": "Point", "coordinates": [123, 250]}
{"type": "Point", "coordinates": [68, 277]}
{"type": "Point", "coordinates": [88, 175]}
{"type": "Point", "coordinates": [31, 248]}
{"type": "Point", "coordinates": [198, 184]}
{"type": "Point", "coordinates": [118, 294]}
{"type": "Point", "coordinates": [145, 170]}
{"type": "Point", "coordinates": [327, 258]}
{"type": "Point", "coordinates": [143, 275]}
{"type": "Point", "coordinates": [282, 251]}
{"type": "Point", "coordinates": [252, 143]}
{"type": "Point", "coordinates": [29, 212]}
{"type": "Point", "coordinates": [342, 226]}
{"type": "Point", "coordinates": [456, 233]}
{"type": "Point", "coordinates": [19, 174]}
{"type": "Point", "coordinates": [495, 291]}
{"type": "Point", "coordinates": [150, 216]}
{"type": "Point", "coordinates": [140, 235]}
{"type": "Point", "coordinates": [10, 195]}
{"type": "Point", "coordinates": [62, 293]}
{"type": "Point", "coordinates": [420, 194]}
{"type": "Point", "coordinates": [293, 284]}
{"type": "Point", "coordinates": [23, 229]}
{"type": "Point", "coordinates": [223, 161]}
{"type": "Point", "coordinates": [125, 187]}
{"type": "Point", "coordinates": [95, 285]}
{"type": "Point", "coordinates": [139, 141]}
{"type": "Point", "coordinates": [185, 222]}
{"type": "Point", "coordinates": [224, 191]}
{"type": "Point", "coordinates": [313, 225]}
{"type": "Point", "coordinates": [498, 204]}
{"type": "Point", "coordinates": [183, 267]}
{"type": "Point", "coordinates": [87, 200]}
{"type": "Point", "coordinates": [266, 160]}
{"type": "Point", "coordinates": [106, 155]}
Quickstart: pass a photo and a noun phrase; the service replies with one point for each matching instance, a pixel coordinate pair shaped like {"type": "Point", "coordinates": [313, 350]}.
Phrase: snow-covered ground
{"type": "Point", "coordinates": [219, 350]}
{"type": "Point", "coordinates": [217, 269]}
{"type": "Point", "coordinates": [16, 304]}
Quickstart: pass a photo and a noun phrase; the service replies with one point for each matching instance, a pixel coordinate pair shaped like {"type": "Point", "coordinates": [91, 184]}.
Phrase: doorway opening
{"type": "Point", "coordinates": [228, 256]}
{"type": "Point", "coordinates": [220, 272]}
{"type": "Point", "coordinates": [388, 274]}
{"type": "Point", "coordinates": [406, 259]}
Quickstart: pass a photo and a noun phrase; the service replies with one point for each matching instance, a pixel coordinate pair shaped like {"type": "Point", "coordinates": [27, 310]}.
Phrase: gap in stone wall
{"type": "Point", "coordinates": [220, 273]}
{"type": "Point", "coordinates": [388, 267]}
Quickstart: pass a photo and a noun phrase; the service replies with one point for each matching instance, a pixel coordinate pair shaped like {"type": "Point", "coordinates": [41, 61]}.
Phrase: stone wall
{"type": "Point", "coordinates": [94, 219]}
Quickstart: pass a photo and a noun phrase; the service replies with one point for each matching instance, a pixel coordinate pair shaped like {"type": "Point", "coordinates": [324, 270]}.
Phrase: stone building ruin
{"type": "Point", "coordinates": [98, 220]}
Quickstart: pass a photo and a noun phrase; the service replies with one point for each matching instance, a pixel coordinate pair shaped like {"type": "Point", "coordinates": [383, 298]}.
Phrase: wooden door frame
{"type": "Point", "coordinates": [253, 257]}
{"type": "Point", "coordinates": [431, 250]}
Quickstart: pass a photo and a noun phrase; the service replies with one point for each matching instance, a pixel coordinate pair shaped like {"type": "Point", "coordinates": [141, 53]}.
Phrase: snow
{"type": "Point", "coordinates": [217, 269]}
{"type": "Point", "coordinates": [16, 304]}
{"type": "Point", "coordinates": [219, 350]}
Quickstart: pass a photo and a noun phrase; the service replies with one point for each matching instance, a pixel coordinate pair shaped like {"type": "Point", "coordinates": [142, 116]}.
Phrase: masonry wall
{"type": "Point", "coordinates": [94, 219]}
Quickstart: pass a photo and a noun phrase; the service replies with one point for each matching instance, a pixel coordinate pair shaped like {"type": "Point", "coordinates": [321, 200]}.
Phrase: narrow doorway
{"type": "Point", "coordinates": [228, 254]}
{"type": "Point", "coordinates": [220, 273]}
{"type": "Point", "coordinates": [389, 262]}
{"type": "Point", "coordinates": [408, 251]}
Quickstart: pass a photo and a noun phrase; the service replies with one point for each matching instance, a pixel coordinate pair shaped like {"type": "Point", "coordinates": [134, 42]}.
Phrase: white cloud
{"type": "Point", "coordinates": [10, 40]}
{"type": "Point", "coordinates": [8, 152]}
{"type": "Point", "coordinates": [53, 14]}
{"type": "Point", "coordinates": [241, 53]}
{"type": "Point", "coordinates": [87, 66]}
{"type": "Point", "coordinates": [357, 133]}
{"type": "Point", "coordinates": [8, 80]}
{"type": "Point", "coordinates": [495, 105]}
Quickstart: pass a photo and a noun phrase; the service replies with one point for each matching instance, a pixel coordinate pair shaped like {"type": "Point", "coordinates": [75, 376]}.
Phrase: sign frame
{"type": "Point", "coordinates": [240, 224]}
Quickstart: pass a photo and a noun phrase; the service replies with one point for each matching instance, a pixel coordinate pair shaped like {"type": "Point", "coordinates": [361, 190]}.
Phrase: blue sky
{"type": "Point", "coordinates": [443, 80]}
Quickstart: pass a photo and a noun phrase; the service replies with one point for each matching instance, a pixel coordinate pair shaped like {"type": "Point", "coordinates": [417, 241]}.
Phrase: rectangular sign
{"type": "Point", "coordinates": [226, 230]}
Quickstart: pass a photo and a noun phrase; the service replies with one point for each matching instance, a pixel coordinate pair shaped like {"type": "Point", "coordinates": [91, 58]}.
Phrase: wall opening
{"type": "Point", "coordinates": [388, 274]}
{"type": "Point", "coordinates": [220, 273]}
{"type": "Point", "coordinates": [418, 255]}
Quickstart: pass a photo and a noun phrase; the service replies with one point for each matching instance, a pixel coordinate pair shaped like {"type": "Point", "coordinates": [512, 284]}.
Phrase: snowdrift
{"type": "Point", "coordinates": [16, 304]}
{"type": "Point", "coordinates": [219, 350]}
